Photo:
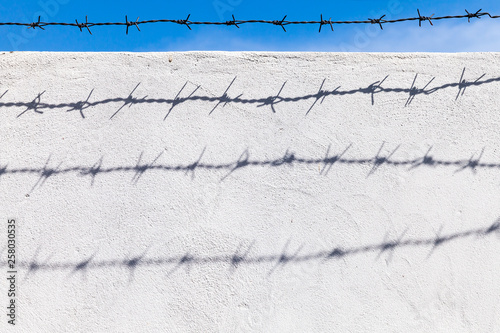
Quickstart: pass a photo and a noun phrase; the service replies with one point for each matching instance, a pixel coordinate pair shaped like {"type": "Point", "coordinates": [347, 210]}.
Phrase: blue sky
{"type": "Point", "coordinates": [444, 36]}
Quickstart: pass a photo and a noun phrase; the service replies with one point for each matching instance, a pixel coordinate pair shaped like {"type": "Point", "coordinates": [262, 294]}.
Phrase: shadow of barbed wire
{"type": "Point", "coordinates": [245, 161]}
{"type": "Point", "coordinates": [244, 256]}
{"type": "Point", "coordinates": [38, 106]}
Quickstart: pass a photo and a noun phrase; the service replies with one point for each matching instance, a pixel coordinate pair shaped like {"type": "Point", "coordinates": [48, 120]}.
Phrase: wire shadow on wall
{"type": "Point", "coordinates": [243, 255]}
{"type": "Point", "coordinates": [191, 94]}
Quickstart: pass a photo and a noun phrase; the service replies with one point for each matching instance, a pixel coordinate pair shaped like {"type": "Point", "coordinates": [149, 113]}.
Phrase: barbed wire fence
{"type": "Point", "coordinates": [236, 23]}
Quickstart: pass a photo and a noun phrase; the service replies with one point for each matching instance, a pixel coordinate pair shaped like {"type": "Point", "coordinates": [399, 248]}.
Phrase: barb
{"type": "Point", "coordinates": [281, 22]}
{"type": "Point", "coordinates": [233, 22]}
{"type": "Point", "coordinates": [323, 22]}
{"type": "Point", "coordinates": [378, 21]}
{"type": "Point", "coordinates": [36, 24]}
{"type": "Point", "coordinates": [469, 15]}
{"type": "Point", "coordinates": [424, 18]}
{"type": "Point", "coordinates": [185, 22]}
{"type": "Point", "coordinates": [131, 23]}
{"type": "Point", "coordinates": [83, 25]}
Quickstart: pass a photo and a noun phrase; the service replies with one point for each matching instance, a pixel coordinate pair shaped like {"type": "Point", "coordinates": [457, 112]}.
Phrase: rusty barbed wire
{"type": "Point", "coordinates": [234, 22]}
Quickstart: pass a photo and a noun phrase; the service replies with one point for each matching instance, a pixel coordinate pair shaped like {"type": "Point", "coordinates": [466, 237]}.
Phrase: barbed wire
{"type": "Point", "coordinates": [234, 22]}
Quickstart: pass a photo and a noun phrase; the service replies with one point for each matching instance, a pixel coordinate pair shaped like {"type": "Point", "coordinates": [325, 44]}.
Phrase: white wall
{"type": "Point", "coordinates": [289, 241]}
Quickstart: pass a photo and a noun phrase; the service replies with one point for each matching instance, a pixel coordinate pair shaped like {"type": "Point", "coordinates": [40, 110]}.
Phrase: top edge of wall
{"type": "Point", "coordinates": [249, 52]}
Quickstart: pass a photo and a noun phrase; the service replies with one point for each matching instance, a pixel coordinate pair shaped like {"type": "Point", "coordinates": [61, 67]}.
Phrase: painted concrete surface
{"type": "Point", "coordinates": [251, 192]}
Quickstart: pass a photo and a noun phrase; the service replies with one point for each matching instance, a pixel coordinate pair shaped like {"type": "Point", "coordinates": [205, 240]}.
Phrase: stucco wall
{"type": "Point", "coordinates": [251, 192]}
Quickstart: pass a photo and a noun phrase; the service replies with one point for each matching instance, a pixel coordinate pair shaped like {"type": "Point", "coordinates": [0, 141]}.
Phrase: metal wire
{"type": "Point", "coordinates": [234, 22]}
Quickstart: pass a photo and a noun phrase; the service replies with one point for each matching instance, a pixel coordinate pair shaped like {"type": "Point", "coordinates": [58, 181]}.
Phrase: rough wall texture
{"type": "Point", "coordinates": [252, 192]}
